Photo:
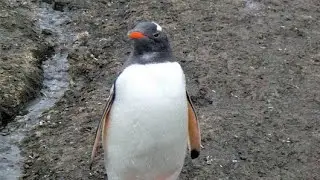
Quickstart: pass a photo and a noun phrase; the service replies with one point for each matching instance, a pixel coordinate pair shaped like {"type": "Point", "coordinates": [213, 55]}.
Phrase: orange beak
{"type": "Point", "coordinates": [136, 35]}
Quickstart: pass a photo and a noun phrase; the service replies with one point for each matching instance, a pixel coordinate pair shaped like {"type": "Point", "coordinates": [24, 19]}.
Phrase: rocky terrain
{"type": "Point", "coordinates": [253, 72]}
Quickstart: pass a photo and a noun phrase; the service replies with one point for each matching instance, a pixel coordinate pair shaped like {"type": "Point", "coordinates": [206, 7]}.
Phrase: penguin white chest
{"type": "Point", "coordinates": [147, 134]}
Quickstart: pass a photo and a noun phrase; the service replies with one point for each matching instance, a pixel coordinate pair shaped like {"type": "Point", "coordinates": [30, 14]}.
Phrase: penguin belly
{"type": "Point", "coordinates": [148, 130]}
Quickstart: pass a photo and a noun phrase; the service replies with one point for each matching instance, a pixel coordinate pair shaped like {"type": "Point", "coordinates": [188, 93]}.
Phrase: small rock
{"type": "Point", "coordinates": [38, 134]}
{"type": "Point", "coordinates": [23, 112]}
{"type": "Point", "coordinates": [209, 160]}
{"type": "Point", "coordinates": [4, 14]}
{"type": "Point", "coordinates": [4, 132]}
{"type": "Point", "coordinates": [6, 67]}
{"type": "Point", "coordinates": [81, 109]}
{"type": "Point", "coordinates": [41, 123]}
{"type": "Point", "coordinates": [59, 6]}
{"type": "Point", "coordinates": [83, 36]}
{"type": "Point", "coordinates": [46, 32]}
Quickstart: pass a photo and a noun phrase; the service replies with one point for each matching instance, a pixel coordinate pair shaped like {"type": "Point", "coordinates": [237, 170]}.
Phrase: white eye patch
{"type": "Point", "coordinates": [159, 28]}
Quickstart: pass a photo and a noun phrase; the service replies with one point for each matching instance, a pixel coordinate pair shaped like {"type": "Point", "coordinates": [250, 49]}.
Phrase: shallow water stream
{"type": "Point", "coordinates": [55, 83]}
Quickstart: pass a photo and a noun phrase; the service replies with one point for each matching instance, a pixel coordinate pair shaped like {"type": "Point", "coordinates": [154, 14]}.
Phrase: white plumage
{"type": "Point", "coordinates": [148, 127]}
{"type": "Point", "coordinates": [159, 28]}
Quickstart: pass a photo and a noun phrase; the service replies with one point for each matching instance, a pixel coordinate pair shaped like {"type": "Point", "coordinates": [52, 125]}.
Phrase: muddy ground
{"type": "Point", "coordinates": [253, 74]}
{"type": "Point", "coordinates": [22, 50]}
{"type": "Point", "coordinates": [20, 73]}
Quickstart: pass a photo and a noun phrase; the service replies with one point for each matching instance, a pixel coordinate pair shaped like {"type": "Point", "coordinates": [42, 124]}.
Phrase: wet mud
{"type": "Point", "coordinates": [253, 73]}
{"type": "Point", "coordinates": [55, 83]}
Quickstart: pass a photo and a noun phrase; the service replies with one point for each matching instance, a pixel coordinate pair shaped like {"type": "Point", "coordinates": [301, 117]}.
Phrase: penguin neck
{"type": "Point", "coordinates": [149, 57]}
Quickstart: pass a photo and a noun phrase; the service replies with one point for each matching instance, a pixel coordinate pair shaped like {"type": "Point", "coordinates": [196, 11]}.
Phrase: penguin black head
{"type": "Point", "coordinates": [148, 37]}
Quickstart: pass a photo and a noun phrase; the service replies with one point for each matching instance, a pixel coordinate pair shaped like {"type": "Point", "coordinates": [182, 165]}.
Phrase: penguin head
{"type": "Point", "coordinates": [148, 37]}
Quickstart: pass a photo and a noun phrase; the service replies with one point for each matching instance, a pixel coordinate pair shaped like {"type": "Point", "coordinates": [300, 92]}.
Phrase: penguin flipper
{"type": "Point", "coordinates": [193, 130]}
{"type": "Point", "coordinates": [102, 126]}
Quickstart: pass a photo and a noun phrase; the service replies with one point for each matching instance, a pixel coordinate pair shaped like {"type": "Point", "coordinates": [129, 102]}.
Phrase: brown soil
{"type": "Point", "coordinates": [253, 73]}
{"type": "Point", "coordinates": [20, 59]}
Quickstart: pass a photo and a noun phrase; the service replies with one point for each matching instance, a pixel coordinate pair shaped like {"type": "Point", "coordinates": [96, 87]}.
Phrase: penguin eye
{"type": "Point", "coordinates": [156, 34]}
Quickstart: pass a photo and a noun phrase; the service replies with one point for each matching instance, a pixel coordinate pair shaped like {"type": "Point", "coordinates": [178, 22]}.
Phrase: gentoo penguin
{"type": "Point", "coordinates": [149, 119]}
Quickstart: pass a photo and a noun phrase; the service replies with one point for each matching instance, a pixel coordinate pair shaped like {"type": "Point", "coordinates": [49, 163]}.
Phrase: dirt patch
{"type": "Point", "coordinates": [20, 60]}
{"type": "Point", "coordinates": [253, 74]}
